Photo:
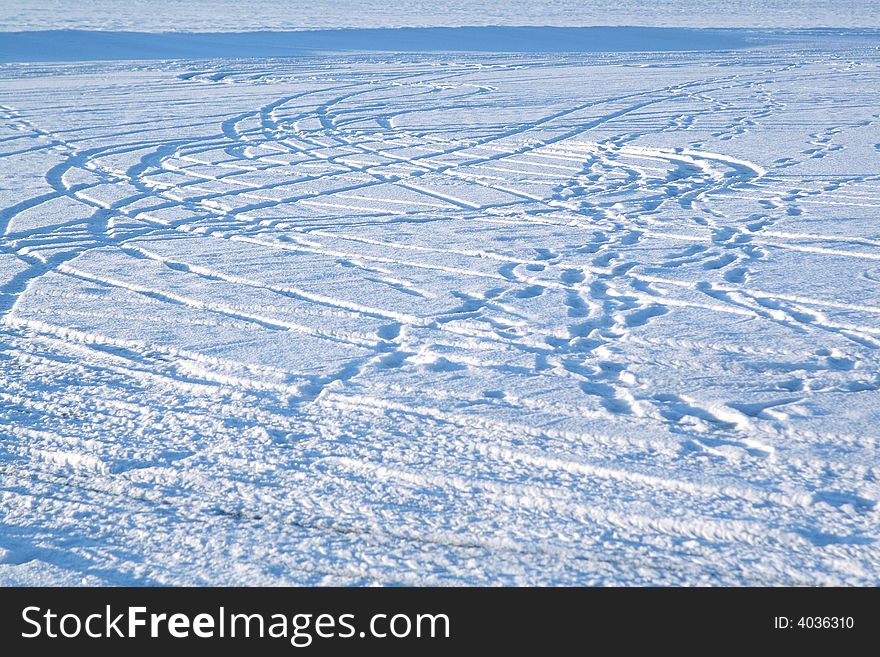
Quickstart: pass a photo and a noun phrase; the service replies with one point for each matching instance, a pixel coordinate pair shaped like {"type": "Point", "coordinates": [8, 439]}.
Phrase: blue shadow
{"type": "Point", "coordinates": [77, 45]}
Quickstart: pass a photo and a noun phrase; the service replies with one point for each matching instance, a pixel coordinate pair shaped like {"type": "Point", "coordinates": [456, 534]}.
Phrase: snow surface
{"type": "Point", "coordinates": [257, 15]}
{"type": "Point", "coordinates": [530, 318]}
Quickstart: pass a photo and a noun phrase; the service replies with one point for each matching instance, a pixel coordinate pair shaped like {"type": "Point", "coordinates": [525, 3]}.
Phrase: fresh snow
{"type": "Point", "coordinates": [234, 15]}
{"type": "Point", "coordinates": [443, 318]}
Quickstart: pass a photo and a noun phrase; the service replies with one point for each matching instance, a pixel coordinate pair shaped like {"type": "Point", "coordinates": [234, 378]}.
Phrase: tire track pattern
{"type": "Point", "coordinates": [499, 320]}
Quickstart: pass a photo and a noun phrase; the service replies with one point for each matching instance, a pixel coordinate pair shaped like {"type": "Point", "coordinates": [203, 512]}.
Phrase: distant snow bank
{"type": "Point", "coordinates": [287, 15]}
{"type": "Point", "coordinates": [81, 45]}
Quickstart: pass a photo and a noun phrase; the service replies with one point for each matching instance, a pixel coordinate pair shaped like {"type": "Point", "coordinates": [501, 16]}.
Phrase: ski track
{"type": "Point", "coordinates": [608, 319]}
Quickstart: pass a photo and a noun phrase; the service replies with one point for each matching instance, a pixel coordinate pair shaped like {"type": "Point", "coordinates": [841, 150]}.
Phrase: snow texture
{"type": "Point", "coordinates": [280, 15]}
{"type": "Point", "coordinates": [463, 318]}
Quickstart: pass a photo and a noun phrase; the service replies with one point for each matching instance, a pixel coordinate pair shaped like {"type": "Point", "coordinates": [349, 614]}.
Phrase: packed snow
{"type": "Point", "coordinates": [443, 318]}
